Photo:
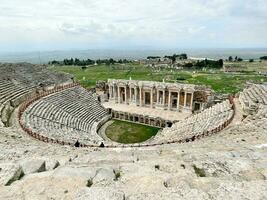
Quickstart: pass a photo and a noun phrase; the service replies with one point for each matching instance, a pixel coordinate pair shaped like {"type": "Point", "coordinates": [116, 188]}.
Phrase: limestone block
{"type": "Point", "coordinates": [51, 164]}
{"type": "Point", "coordinates": [104, 177]}
{"type": "Point", "coordinates": [30, 166]}
{"type": "Point", "coordinates": [6, 112]}
{"type": "Point", "coordinates": [9, 173]}
{"type": "Point", "coordinates": [85, 173]}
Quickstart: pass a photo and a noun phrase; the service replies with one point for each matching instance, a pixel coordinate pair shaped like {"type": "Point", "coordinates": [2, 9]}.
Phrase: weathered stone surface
{"type": "Point", "coordinates": [85, 173]}
{"type": "Point", "coordinates": [51, 164]}
{"type": "Point", "coordinates": [104, 177]}
{"type": "Point", "coordinates": [30, 166]}
{"type": "Point", "coordinates": [99, 193]}
{"type": "Point", "coordinates": [6, 112]}
{"type": "Point", "coordinates": [1, 123]}
{"type": "Point", "coordinates": [9, 172]}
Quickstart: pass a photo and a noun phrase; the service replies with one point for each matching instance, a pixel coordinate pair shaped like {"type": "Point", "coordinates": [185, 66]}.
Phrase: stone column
{"type": "Point", "coordinates": [163, 98]}
{"type": "Point", "coordinates": [178, 100]}
{"type": "Point", "coordinates": [135, 94]}
{"type": "Point", "coordinates": [140, 94]}
{"type": "Point", "coordinates": [169, 100]}
{"type": "Point", "coordinates": [157, 96]}
{"type": "Point", "coordinates": [130, 95]}
{"type": "Point", "coordinates": [151, 98]}
{"type": "Point", "coordinates": [192, 97]}
{"type": "Point", "coordinates": [110, 91]}
{"type": "Point", "coordinates": [125, 93]}
{"type": "Point", "coordinates": [115, 94]}
{"type": "Point", "coordinates": [119, 96]}
{"type": "Point", "coordinates": [185, 98]}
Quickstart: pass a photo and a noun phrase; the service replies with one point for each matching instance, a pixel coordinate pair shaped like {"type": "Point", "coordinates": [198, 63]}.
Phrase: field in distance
{"type": "Point", "coordinates": [219, 81]}
{"type": "Point", "coordinates": [127, 132]}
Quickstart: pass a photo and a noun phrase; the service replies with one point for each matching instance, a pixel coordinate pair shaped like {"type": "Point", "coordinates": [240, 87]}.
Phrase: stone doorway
{"type": "Point", "coordinates": [147, 98]}
{"type": "Point", "coordinates": [174, 103]}
{"type": "Point", "coordinates": [122, 95]}
{"type": "Point", "coordinates": [197, 107]}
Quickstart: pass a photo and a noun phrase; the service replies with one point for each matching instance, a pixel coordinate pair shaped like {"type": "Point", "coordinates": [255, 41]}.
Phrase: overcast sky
{"type": "Point", "coordinates": [27, 25]}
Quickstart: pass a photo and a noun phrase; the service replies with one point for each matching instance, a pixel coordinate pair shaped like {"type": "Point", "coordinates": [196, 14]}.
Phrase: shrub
{"type": "Point", "coordinates": [199, 172]}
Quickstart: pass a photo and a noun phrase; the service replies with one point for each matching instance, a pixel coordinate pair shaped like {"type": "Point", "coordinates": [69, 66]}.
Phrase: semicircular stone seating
{"type": "Point", "coordinates": [254, 103]}
{"type": "Point", "coordinates": [197, 124]}
{"type": "Point", "coordinates": [23, 80]}
{"type": "Point", "coordinates": [252, 97]}
{"type": "Point", "coordinates": [10, 96]}
{"type": "Point", "coordinates": [67, 115]}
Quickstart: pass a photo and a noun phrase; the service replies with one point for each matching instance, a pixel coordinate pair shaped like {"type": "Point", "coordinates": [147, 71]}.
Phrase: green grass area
{"type": "Point", "coordinates": [127, 132]}
{"type": "Point", "coordinates": [219, 81]}
{"type": "Point", "coordinates": [226, 83]}
{"type": "Point", "coordinates": [257, 66]}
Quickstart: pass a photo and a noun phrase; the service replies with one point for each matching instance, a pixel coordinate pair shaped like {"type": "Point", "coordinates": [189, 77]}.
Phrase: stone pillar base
{"type": "Point", "coordinates": [132, 104]}
{"type": "Point", "coordinates": [186, 110]}
{"type": "Point", "coordinates": [161, 107]}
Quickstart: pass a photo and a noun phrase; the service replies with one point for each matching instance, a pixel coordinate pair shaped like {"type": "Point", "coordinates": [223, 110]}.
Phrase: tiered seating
{"type": "Point", "coordinates": [11, 95]}
{"type": "Point", "coordinates": [252, 96]}
{"type": "Point", "coordinates": [9, 91]}
{"type": "Point", "coordinates": [195, 125]}
{"type": "Point", "coordinates": [18, 81]}
{"type": "Point", "coordinates": [28, 74]}
{"type": "Point", "coordinates": [258, 120]}
{"type": "Point", "coordinates": [67, 115]}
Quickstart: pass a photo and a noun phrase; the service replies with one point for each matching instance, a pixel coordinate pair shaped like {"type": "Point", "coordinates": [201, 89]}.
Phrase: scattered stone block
{"type": "Point", "coordinates": [10, 172]}
{"type": "Point", "coordinates": [30, 166]}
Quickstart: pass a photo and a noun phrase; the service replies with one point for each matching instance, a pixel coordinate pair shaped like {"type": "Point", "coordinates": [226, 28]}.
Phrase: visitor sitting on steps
{"type": "Point", "coordinates": [77, 144]}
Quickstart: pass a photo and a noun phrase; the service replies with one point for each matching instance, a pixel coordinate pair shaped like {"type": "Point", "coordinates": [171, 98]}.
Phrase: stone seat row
{"type": "Point", "coordinates": [58, 114]}
{"type": "Point", "coordinates": [195, 125]}
{"type": "Point", "coordinates": [59, 131]}
{"type": "Point", "coordinates": [259, 119]}
{"type": "Point", "coordinates": [77, 108]}
{"type": "Point", "coordinates": [212, 111]}
{"type": "Point", "coordinates": [68, 115]}
{"type": "Point", "coordinates": [48, 111]}
{"type": "Point", "coordinates": [11, 91]}
{"type": "Point", "coordinates": [251, 97]}
{"type": "Point", "coordinates": [201, 126]}
{"type": "Point", "coordinates": [11, 95]}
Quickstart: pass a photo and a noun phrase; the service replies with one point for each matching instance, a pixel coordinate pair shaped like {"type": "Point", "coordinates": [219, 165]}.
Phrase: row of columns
{"type": "Point", "coordinates": [143, 119]}
{"type": "Point", "coordinates": [116, 94]}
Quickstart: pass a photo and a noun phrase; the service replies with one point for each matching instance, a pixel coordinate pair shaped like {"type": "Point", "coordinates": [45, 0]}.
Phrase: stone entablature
{"type": "Point", "coordinates": [161, 95]}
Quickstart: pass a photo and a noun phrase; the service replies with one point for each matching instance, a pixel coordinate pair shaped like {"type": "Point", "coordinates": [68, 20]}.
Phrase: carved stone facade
{"type": "Point", "coordinates": [160, 95]}
{"type": "Point", "coordinates": [141, 119]}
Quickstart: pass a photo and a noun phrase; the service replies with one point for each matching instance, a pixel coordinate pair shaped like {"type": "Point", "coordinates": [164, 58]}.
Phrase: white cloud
{"type": "Point", "coordinates": [158, 23]}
